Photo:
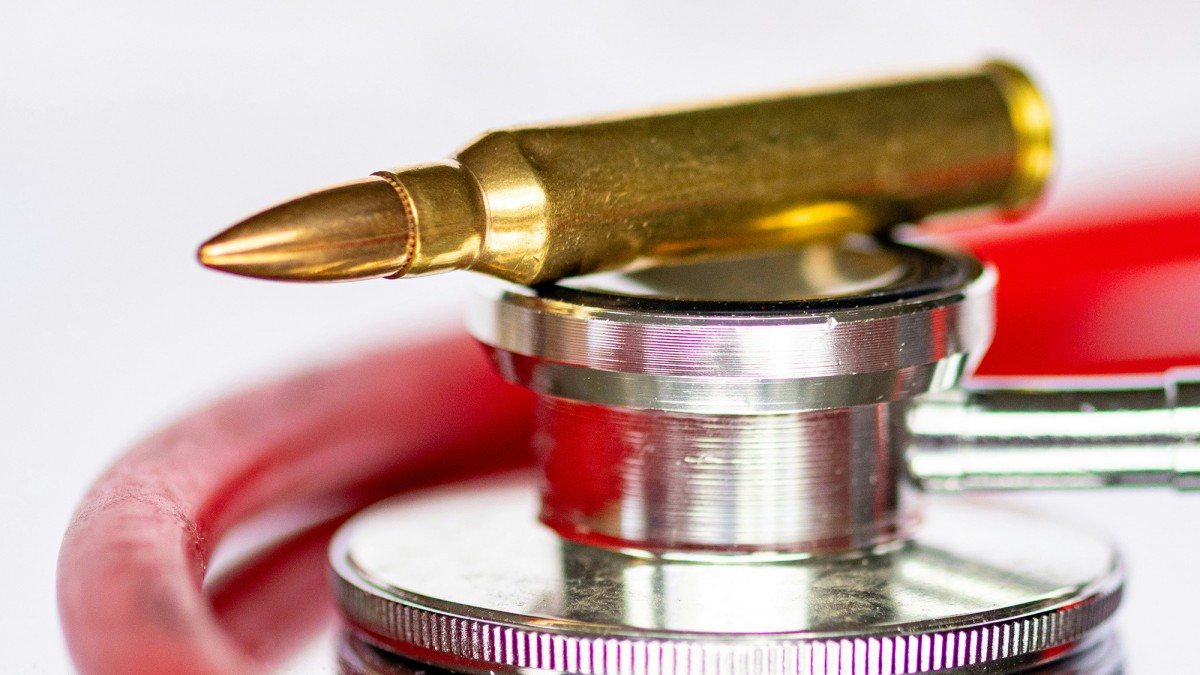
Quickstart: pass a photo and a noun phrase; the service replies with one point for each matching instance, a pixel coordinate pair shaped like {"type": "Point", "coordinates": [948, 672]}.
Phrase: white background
{"type": "Point", "coordinates": [130, 131]}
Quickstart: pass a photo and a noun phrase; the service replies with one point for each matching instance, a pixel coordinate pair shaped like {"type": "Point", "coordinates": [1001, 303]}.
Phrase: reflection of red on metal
{"type": "Point", "coordinates": [1084, 295]}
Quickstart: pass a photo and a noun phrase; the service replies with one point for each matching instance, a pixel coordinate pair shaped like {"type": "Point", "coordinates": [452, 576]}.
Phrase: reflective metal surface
{"type": "Point", "coordinates": [825, 480]}
{"type": "Point", "coordinates": [1059, 434]}
{"type": "Point", "coordinates": [359, 657]}
{"type": "Point", "coordinates": [723, 489]}
{"type": "Point", "coordinates": [823, 341]}
{"type": "Point", "coordinates": [802, 451]}
{"type": "Point", "coordinates": [465, 578]}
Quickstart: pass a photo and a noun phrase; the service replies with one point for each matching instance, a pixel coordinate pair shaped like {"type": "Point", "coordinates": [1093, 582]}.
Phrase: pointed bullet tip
{"type": "Point", "coordinates": [210, 252]}
{"type": "Point", "coordinates": [357, 230]}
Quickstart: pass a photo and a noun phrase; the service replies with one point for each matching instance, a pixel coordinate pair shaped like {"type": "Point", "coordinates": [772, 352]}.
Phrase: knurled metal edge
{"type": "Point", "coordinates": [453, 641]}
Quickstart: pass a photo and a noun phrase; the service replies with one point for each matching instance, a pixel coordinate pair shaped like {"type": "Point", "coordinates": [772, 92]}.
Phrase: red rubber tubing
{"type": "Point", "coordinates": [133, 560]}
{"type": "Point", "coordinates": [1108, 292]}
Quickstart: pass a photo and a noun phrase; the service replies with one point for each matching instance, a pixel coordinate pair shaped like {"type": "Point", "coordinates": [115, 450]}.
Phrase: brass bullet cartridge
{"type": "Point", "coordinates": [540, 203]}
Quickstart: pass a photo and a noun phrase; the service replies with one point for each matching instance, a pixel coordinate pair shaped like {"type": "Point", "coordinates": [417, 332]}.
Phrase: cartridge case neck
{"type": "Point", "coordinates": [445, 217]}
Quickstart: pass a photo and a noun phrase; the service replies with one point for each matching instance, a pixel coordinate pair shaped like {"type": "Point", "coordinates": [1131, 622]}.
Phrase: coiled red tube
{"type": "Point", "coordinates": [133, 560]}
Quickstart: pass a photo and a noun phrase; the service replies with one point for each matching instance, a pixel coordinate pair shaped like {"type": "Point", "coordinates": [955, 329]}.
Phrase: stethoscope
{"type": "Point", "coordinates": [685, 558]}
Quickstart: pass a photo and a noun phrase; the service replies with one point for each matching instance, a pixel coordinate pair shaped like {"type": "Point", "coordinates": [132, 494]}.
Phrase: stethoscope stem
{"type": "Point", "coordinates": [1051, 434]}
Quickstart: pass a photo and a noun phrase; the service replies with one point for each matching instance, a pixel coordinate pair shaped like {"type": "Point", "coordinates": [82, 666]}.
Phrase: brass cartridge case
{"type": "Point", "coordinates": [539, 203]}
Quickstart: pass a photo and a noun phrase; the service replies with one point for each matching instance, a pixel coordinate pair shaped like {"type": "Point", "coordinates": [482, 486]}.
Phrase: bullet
{"type": "Point", "coordinates": [535, 204]}
{"type": "Point", "coordinates": [355, 230]}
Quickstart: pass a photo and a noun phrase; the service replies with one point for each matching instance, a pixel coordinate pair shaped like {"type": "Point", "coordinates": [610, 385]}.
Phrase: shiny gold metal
{"type": "Point", "coordinates": [541, 203]}
{"type": "Point", "coordinates": [355, 230]}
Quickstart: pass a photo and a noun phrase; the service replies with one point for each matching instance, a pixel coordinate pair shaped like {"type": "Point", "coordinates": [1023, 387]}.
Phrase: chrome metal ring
{"type": "Point", "coordinates": [806, 346]}
{"type": "Point", "coordinates": [977, 589]}
{"type": "Point", "coordinates": [357, 656]}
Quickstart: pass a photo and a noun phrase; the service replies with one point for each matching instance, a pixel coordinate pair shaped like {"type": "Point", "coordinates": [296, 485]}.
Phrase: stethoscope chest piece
{"type": "Point", "coordinates": [723, 489]}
